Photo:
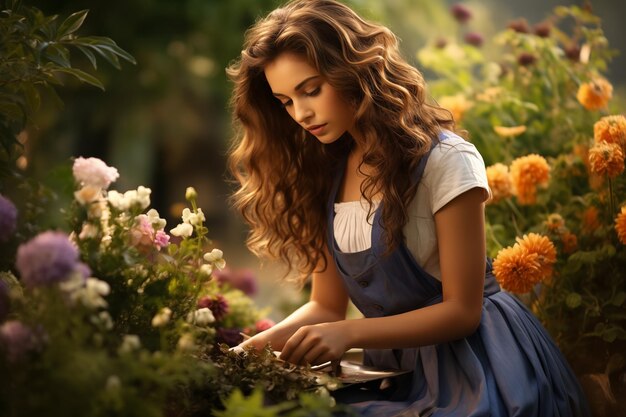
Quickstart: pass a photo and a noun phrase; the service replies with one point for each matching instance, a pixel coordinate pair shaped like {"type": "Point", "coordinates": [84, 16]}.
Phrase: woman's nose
{"type": "Point", "coordinates": [302, 112]}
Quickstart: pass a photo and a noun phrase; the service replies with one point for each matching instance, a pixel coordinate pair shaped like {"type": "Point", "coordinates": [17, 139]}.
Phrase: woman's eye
{"type": "Point", "coordinates": [315, 92]}
{"type": "Point", "coordinates": [284, 104]}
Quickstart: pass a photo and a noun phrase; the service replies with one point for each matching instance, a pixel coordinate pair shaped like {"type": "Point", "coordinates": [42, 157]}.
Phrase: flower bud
{"type": "Point", "coordinates": [191, 194]}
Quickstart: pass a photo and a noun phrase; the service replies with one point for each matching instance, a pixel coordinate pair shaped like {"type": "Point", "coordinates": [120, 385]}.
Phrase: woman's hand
{"type": "Point", "coordinates": [317, 343]}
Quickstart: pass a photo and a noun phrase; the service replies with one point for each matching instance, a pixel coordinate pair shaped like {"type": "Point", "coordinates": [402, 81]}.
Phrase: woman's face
{"type": "Point", "coordinates": [308, 98]}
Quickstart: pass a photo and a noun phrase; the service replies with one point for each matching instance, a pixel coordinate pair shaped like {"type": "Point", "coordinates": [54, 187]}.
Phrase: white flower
{"type": "Point", "coordinates": [118, 200]}
{"type": "Point", "coordinates": [89, 231]}
{"type": "Point", "coordinates": [193, 218]}
{"type": "Point", "coordinates": [88, 194]}
{"type": "Point", "coordinates": [182, 230]}
{"type": "Point", "coordinates": [143, 196]}
{"type": "Point", "coordinates": [113, 383]}
{"type": "Point", "coordinates": [216, 257]}
{"type": "Point", "coordinates": [201, 317]}
{"type": "Point", "coordinates": [157, 222]}
{"type": "Point", "coordinates": [103, 319]}
{"type": "Point", "coordinates": [140, 197]}
{"type": "Point", "coordinates": [162, 317]}
{"type": "Point", "coordinates": [93, 171]}
{"type": "Point", "coordinates": [186, 343]}
{"type": "Point", "coordinates": [206, 269]}
{"type": "Point", "coordinates": [190, 193]}
{"type": "Point", "coordinates": [91, 294]}
{"type": "Point", "coordinates": [130, 343]}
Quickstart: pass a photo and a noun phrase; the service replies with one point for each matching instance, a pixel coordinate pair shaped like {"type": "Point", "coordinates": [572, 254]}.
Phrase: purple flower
{"type": "Point", "coordinates": [4, 300]}
{"type": "Point", "coordinates": [241, 279]}
{"type": "Point", "coordinates": [232, 337]}
{"type": "Point", "coordinates": [17, 339]}
{"type": "Point", "coordinates": [461, 13]}
{"type": "Point", "coordinates": [474, 38]}
{"type": "Point", "coordinates": [218, 305]}
{"type": "Point", "coordinates": [46, 259]}
{"type": "Point", "coordinates": [8, 219]}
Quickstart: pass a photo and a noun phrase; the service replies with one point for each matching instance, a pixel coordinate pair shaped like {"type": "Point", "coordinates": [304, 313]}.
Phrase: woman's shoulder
{"type": "Point", "coordinates": [452, 149]}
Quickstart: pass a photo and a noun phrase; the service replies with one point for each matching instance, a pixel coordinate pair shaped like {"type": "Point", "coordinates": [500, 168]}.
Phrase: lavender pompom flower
{"type": "Point", "coordinates": [47, 259]}
{"type": "Point", "coordinates": [241, 279]}
{"type": "Point", "coordinates": [8, 218]}
{"type": "Point", "coordinates": [17, 339]}
{"type": "Point", "coordinates": [474, 38]}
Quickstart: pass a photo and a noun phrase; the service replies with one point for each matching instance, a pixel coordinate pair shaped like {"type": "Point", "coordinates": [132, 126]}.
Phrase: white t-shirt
{"type": "Point", "coordinates": [453, 167]}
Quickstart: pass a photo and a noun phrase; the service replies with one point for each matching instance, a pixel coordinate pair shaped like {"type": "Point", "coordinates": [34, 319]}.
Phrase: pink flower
{"type": "Point", "coordinates": [161, 239]}
{"type": "Point", "coordinates": [263, 325]}
{"type": "Point", "coordinates": [17, 340]}
{"type": "Point", "coordinates": [94, 172]}
{"type": "Point", "coordinates": [142, 235]}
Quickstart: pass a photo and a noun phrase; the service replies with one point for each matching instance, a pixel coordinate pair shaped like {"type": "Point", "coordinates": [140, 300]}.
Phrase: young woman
{"type": "Point", "coordinates": [352, 177]}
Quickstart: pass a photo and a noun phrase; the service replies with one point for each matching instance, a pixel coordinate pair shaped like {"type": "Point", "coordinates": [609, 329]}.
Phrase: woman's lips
{"type": "Point", "coordinates": [317, 129]}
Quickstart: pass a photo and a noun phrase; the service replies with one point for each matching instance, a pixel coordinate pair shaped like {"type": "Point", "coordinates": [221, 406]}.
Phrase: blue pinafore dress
{"type": "Point", "coordinates": [508, 367]}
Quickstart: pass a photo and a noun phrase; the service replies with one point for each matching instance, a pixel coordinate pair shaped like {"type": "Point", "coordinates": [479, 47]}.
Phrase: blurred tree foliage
{"type": "Point", "coordinates": [165, 122]}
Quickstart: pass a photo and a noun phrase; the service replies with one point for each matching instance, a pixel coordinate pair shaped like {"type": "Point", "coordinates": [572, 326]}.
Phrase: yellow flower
{"type": "Point", "coordinates": [509, 132]}
{"type": "Point", "coordinates": [545, 250]}
{"type": "Point", "coordinates": [457, 105]}
{"type": "Point", "coordinates": [516, 269]}
{"type": "Point", "coordinates": [606, 159]}
{"type": "Point", "coordinates": [570, 242]}
{"type": "Point", "coordinates": [499, 182]}
{"type": "Point", "coordinates": [555, 222]}
{"type": "Point", "coordinates": [595, 95]}
{"type": "Point", "coordinates": [620, 225]}
{"type": "Point", "coordinates": [527, 173]}
{"type": "Point", "coordinates": [611, 129]}
{"type": "Point", "coordinates": [490, 95]}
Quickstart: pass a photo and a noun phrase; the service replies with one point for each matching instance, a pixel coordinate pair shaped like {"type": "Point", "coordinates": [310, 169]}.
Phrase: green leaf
{"type": "Point", "coordinates": [72, 23]}
{"type": "Point", "coordinates": [619, 299]}
{"type": "Point", "coordinates": [573, 300]}
{"type": "Point", "coordinates": [57, 54]}
{"type": "Point", "coordinates": [90, 56]}
{"type": "Point", "coordinates": [82, 76]}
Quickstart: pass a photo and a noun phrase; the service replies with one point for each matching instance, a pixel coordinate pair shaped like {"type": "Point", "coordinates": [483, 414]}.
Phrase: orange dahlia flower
{"type": "Point", "coordinates": [606, 159]}
{"type": "Point", "coordinates": [595, 95]}
{"type": "Point", "coordinates": [527, 173]}
{"type": "Point", "coordinates": [611, 129]}
{"type": "Point", "coordinates": [457, 105]}
{"type": "Point", "coordinates": [570, 242]}
{"type": "Point", "coordinates": [499, 182]}
{"type": "Point", "coordinates": [590, 220]}
{"type": "Point", "coordinates": [516, 269]}
{"type": "Point", "coordinates": [545, 250]}
{"type": "Point", "coordinates": [620, 225]}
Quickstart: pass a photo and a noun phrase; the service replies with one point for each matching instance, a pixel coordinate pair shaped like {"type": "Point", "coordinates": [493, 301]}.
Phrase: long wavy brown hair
{"type": "Point", "coordinates": [285, 173]}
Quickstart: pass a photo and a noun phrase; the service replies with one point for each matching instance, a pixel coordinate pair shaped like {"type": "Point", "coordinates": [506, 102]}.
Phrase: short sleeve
{"type": "Point", "coordinates": [454, 167]}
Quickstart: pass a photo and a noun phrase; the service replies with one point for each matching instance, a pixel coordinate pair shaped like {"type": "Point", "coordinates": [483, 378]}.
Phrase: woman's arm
{"type": "Point", "coordinates": [461, 242]}
{"type": "Point", "coordinates": [328, 303]}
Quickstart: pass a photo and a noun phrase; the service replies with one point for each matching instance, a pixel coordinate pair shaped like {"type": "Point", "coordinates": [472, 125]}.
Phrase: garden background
{"type": "Point", "coordinates": [164, 122]}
